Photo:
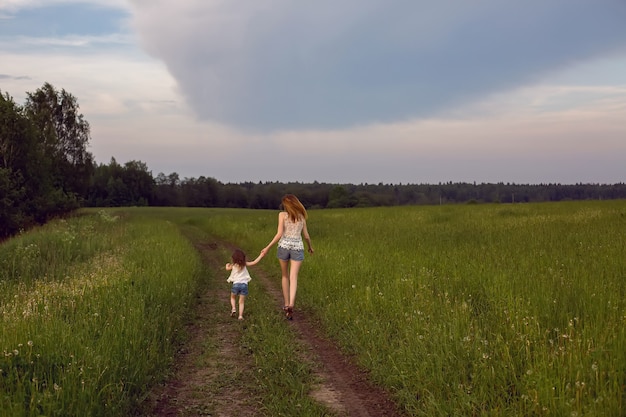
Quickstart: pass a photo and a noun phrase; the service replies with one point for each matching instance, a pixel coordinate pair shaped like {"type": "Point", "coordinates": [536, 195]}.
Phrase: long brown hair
{"type": "Point", "coordinates": [294, 207]}
{"type": "Point", "coordinates": [239, 258]}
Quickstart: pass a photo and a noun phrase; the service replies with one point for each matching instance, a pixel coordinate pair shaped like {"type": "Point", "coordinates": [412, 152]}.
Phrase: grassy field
{"type": "Point", "coordinates": [483, 309]}
{"type": "Point", "coordinates": [510, 310]}
{"type": "Point", "coordinates": [90, 314]}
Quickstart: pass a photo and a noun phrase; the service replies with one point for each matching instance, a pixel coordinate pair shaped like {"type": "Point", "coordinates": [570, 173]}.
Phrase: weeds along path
{"type": "Point", "coordinates": [209, 371]}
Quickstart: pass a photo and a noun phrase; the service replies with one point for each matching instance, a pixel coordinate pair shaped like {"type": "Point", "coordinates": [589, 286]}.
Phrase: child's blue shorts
{"type": "Point", "coordinates": [239, 288]}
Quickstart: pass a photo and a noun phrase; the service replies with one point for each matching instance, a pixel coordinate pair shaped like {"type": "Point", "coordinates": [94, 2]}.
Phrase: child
{"type": "Point", "coordinates": [240, 277]}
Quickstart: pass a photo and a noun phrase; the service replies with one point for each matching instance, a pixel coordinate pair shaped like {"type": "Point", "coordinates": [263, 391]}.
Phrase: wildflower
{"type": "Point", "coordinates": [30, 343]}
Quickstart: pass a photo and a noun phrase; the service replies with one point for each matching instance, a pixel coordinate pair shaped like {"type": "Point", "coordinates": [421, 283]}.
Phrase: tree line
{"type": "Point", "coordinates": [46, 171]}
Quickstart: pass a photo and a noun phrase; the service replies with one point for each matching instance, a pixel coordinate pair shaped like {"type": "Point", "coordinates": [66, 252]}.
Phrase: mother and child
{"type": "Point", "coordinates": [289, 235]}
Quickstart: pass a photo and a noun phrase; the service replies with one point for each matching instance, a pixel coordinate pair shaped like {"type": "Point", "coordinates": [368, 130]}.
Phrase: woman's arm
{"type": "Point", "coordinates": [307, 238]}
{"type": "Point", "coordinates": [279, 232]}
{"type": "Point", "coordinates": [229, 266]}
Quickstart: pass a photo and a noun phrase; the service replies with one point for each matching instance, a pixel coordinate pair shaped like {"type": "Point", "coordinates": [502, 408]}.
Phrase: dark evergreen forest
{"type": "Point", "coordinates": [46, 171]}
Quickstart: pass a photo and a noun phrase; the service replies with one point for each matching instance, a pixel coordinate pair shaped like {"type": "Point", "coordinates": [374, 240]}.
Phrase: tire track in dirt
{"type": "Point", "coordinates": [344, 388]}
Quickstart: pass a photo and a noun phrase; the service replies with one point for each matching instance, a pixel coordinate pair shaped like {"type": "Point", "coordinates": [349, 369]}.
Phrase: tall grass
{"type": "Point", "coordinates": [470, 310]}
{"type": "Point", "coordinates": [499, 310]}
{"type": "Point", "coordinates": [89, 309]}
{"type": "Point", "coordinates": [479, 310]}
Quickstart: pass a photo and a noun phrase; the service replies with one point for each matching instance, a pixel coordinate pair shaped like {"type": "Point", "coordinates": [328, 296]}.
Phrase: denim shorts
{"type": "Point", "coordinates": [240, 288]}
{"type": "Point", "coordinates": [287, 254]}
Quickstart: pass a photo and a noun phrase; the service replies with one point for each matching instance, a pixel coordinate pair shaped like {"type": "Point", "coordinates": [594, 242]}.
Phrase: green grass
{"type": "Point", "coordinates": [469, 310]}
{"type": "Point", "coordinates": [483, 310]}
{"type": "Point", "coordinates": [91, 308]}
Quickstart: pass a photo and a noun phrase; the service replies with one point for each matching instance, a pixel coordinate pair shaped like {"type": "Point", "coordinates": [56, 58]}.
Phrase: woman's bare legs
{"type": "Point", "coordinates": [284, 269]}
{"type": "Point", "coordinates": [289, 271]}
{"type": "Point", "coordinates": [294, 269]}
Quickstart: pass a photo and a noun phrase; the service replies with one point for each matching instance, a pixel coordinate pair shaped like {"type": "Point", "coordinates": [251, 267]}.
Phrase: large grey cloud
{"type": "Point", "coordinates": [282, 64]}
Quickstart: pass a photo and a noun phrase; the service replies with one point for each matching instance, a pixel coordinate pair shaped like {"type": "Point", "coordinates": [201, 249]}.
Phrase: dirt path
{"type": "Point", "coordinates": [204, 382]}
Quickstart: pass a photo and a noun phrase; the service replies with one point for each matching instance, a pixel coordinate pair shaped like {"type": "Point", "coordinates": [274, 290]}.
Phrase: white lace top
{"type": "Point", "coordinates": [292, 235]}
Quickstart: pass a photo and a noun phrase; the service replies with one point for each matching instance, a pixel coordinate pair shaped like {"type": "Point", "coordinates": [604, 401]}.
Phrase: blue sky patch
{"type": "Point", "coordinates": [63, 20]}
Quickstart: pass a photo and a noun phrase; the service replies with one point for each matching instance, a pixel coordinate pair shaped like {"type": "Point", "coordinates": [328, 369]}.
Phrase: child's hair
{"type": "Point", "coordinates": [239, 258]}
{"type": "Point", "coordinates": [294, 207]}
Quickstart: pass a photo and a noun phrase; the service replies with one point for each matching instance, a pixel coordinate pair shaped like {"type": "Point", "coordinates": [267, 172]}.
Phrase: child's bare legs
{"type": "Point", "coordinates": [233, 310]}
{"type": "Point", "coordinates": [242, 300]}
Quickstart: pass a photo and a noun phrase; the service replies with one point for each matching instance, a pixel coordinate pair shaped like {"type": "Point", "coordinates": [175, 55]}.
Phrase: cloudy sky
{"type": "Point", "coordinates": [351, 91]}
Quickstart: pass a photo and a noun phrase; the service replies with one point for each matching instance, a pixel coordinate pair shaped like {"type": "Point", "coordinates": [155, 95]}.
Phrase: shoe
{"type": "Point", "coordinates": [233, 314]}
{"type": "Point", "coordinates": [289, 313]}
{"type": "Point", "coordinates": [240, 319]}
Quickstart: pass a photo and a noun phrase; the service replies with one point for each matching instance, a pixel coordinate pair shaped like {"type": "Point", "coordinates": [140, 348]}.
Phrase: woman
{"type": "Point", "coordinates": [291, 230]}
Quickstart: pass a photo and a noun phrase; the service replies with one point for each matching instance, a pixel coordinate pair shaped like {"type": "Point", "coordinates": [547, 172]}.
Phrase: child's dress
{"type": "Point", "coordinates": [239, 275]}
